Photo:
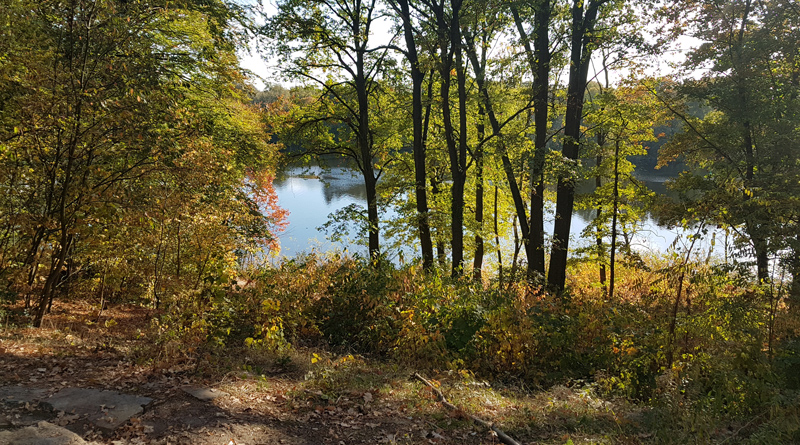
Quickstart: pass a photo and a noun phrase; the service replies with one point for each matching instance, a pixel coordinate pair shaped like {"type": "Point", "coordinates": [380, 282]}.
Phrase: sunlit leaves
{"type": "Point", "coordinates": [744, 143]}
{"type": "Point", "coordinates": [127, 142]}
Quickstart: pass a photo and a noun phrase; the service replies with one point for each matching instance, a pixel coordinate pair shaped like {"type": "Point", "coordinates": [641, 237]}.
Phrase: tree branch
{"type": "Point", "coordinates": [505, 438]}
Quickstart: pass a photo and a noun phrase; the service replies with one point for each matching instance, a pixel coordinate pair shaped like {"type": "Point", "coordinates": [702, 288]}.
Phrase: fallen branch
{"type": "Point", "coordinates": [736, 433]}
{"type": "Point", "coordinates": [505, 438]}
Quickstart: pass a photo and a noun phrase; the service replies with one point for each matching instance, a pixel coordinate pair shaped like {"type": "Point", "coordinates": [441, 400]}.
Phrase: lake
{"type": "Point", "coordinates": [310, 194]}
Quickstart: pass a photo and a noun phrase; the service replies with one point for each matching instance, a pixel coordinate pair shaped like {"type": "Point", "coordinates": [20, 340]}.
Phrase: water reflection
{"type": "Point", "coordinates": [310, 194]}
{"type": "Point", "coordinates": [338, 183]}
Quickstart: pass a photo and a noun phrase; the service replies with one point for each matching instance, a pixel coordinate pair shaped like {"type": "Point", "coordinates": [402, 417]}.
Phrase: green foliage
{"type": "Point", "coordinates": [544, 339]}
{"type": "Point", "coordinates": [134, 165]}
{"type": "Point", "coordinates": [129, 157]}
{"type": "Point", "coordinates": [348, 219]}
{"type": "Point", "coordinates": [358, 309]}
{"type": "Point", "coordinates": [743, 152]}
{"type": "Point", "coordinates": [721, 373]}
{"type": "Point", "coordinates": [788, 362]}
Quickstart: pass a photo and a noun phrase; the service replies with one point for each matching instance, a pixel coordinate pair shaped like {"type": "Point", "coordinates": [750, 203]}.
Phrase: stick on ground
{"type": "Point", "coordinates": [505, 438]}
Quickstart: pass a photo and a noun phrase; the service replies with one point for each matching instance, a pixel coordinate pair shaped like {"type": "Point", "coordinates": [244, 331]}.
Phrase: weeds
{"type": "Point", "coordinates": [718, 365]}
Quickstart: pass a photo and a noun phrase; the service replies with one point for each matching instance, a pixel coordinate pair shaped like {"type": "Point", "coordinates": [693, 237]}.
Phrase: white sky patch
{"type": "Point", "coordinates": [668, 62]}
{"type": "Point", "coordinates": [267, 71]}
{"type": "Point", "coordinates": [262, 71]}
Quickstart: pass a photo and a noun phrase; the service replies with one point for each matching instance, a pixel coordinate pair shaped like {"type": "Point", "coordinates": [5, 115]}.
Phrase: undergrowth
{"type": "Point", "coordinates": [716, 363]}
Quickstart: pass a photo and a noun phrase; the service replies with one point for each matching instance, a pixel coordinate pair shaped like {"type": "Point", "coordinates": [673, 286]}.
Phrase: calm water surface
{"type": "Point", "coordinates": [311, 194]}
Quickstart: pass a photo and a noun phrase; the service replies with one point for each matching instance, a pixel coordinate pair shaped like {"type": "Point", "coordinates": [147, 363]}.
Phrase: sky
{"type": "Point", "coordinates": [265, 71]}
{"type": "Point", "coordinates": [253, 62]}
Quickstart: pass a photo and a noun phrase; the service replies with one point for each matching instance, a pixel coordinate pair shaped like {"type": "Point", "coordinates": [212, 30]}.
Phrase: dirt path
{"type": "Point", "coordinates": [281, 406]}
{"type": "Point", "coordinates": [249, 409]}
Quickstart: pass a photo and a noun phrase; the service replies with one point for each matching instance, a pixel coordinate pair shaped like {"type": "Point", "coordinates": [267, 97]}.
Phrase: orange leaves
{"type": "Point", "coordinates": [263, 193]}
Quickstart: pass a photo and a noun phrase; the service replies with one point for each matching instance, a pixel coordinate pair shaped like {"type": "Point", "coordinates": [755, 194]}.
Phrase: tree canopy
{"type": "Point", "coordinates": [126, 129]}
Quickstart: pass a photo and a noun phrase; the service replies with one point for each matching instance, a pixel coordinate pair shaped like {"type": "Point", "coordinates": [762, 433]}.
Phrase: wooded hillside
{"type": "Point", "coordinates": [136, 177]}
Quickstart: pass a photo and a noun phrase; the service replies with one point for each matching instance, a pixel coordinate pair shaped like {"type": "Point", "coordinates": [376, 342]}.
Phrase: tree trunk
{"type": "Point", "coordinates": [53, 278]}
{"type": "Point", "coordinates": [372, 215]}
{"type": "Point", "coordinates": [794, 264]}
{"type": "Point", "coordinates": [598, 182]}
{"type": "Point", "coordinates": [460, 172]}
{"type": "Point", "coordinates": [420, 179]}
{"type": "Point", "coordinates": [508, 168]}
{"type": "Point", "coordinates": [497, 240]}
{"type": "Point", "coordinates": [539, 62]}
{"type": "Point", "coordinates": [479, 68]}
{"type": "Point", "coordinates": [614, 223]}
{"type": "Point", "coordinates": [477, 263]}
{"type": "Point", "coordinates": [762, 261]}
{"type": "Point", "coordinates": [441, 253]}
{"type": "Point", "coordinates": [365, 148]}
{"type": "Point", "coordinates": [450, 48]}
{"type": "Point", "coordinates": [512, 274]}
{"type": "Point", "coordinates": [760, 248]}
{"type": "Point", "coordinates": [31, 263]}
{"type": "Point", "coordinates": [580, 58]}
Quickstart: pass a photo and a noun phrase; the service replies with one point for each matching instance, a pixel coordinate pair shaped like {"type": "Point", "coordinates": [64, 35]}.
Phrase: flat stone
{"type": "Point", "coordinates": [105, 409]}
{"type": "Point", "coordinates": [19, 395]}
{"type": "Point", "coordinates": [42, 434]}
{"type": "Point", "coordinates": [204, 394]}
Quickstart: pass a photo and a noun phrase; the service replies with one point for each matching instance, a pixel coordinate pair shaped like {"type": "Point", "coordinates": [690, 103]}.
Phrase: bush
{"type": "Point", "coordinates": [359, 307]}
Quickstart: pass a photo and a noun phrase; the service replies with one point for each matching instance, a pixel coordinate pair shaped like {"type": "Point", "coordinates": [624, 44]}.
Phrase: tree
{"type": "Point", "coordinates": [584, 37]}
{"type": "Point", "coordinates": [403, 10]}
{"type": "Point", "coordinates": [329, 43]}
{"type": "Point", "coordinates": [745, 150]}
{"type": "Point", "coordinates": [622, 119]}
{"type": "Point", "coordinates": [444, 21]}
{"type": "Point", "coordinates": [538, 56]}
{"type": "Point", "coordinates": [109, 102]}
{"type": "Point", "coordinates": [487, 22]}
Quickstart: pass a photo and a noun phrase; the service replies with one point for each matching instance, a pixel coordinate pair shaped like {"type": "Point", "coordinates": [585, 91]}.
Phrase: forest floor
{"type": "Point", "coordinates": [308, 397]}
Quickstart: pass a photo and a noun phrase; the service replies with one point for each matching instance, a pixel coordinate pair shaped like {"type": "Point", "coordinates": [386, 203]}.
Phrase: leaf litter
{"type": "Point", "coordinates": [285, 408]}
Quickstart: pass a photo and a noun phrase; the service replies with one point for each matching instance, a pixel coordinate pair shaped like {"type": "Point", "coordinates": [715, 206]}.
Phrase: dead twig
{"type": "Point", "coordinates": [505, 438]}
{"type": "Point", "coordinates": [736, 433]}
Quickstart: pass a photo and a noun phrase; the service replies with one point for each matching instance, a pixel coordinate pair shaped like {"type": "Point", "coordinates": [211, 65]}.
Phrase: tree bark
{"type": "Point", "coordinates": [538, 58]}
{"type": "Point", "coordinates": [460, 170]}
{"type": "Point", "coordinates": [420, 176]}
{"type": "Point", "coordinates": [497, 240]}
{"type": "Point", "coordinates": [580, 57]}
{"type": "Point", "coordinates": [449, 34]}
{"type": "Point", "coordinates": [477, 263]}
{"type": "Point", "coordinates": [614, 223]}
{"type": "Point", "coordinates": [365, 142]}
{"type": "Point", "coordinates": [598, 182]}
{"type": "Point", "coordinates": [479, 68]}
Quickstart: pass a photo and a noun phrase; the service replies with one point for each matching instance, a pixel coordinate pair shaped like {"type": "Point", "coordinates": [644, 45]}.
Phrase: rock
{"type": "Point", "coordinates": [19, 395]}
{"type": "Point", "coordinates": [42, 434]}
{"type": "Point", "coordinates": [105, 409]}
{"type": "Point", "coordinates": [27, 404]}
{"type": "Point", "coordinates": [204, 394]}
